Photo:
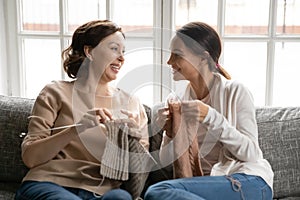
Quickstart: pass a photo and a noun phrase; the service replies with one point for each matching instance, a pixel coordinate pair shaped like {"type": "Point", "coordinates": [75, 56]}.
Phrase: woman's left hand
{"type": "Point", "coordinates": [133, 118]}
{"type": "Point", "coordinates": [194, 110]}
{"type": "Point", "coordinates": [132, 122]}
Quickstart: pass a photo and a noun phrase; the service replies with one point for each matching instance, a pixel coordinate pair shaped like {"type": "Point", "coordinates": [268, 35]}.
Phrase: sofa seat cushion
{"type": "Point", "coordinates": [6, 195]}
{"type": "Point", "coordinates": [279, 139]}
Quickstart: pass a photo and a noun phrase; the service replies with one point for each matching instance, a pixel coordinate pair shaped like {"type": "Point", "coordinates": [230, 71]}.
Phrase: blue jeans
{"type": "Point", "coordinates": [34, 190]}
{"type": "Point", "coordinates": [233, 187]}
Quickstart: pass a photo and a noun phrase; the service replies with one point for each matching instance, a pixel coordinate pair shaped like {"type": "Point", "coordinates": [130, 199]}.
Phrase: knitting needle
{"type": "Point", "coordinates": [155, 162]}
{"type": "Point", "coordinates": [76, 125]}
{"type": "Point", "coordinates": [52, 129]}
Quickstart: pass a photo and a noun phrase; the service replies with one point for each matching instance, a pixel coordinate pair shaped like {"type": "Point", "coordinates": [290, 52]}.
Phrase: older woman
{"type": "Point", "coordinates": [70, 120]}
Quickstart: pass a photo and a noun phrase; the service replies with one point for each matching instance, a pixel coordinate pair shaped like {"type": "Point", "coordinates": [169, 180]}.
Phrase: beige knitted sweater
{"type": "Point", "coordinates": [78, 164]}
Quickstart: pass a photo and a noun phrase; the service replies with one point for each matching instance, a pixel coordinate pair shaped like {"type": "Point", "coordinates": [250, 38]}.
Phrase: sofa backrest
{"type": "Point", "coordinates": [14, 112]}
{"type": "Point", "coordinates": [279, 139]}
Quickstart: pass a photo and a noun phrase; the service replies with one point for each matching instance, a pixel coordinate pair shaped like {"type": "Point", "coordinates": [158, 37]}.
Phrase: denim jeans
{"type": "Point", "coordinates": [233, 187]}
{"type": "Point", "coordinates": [34, 190]}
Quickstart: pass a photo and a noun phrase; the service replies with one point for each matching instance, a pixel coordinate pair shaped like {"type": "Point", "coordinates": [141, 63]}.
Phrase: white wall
{"type": "Point", "coordinates": [3, 55]}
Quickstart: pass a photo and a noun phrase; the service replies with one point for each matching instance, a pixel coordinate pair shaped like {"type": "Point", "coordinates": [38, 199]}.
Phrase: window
{"type": "Point", "coordinates": [260, 43]}
{"type": "Point", "coordinates": [45, 28]}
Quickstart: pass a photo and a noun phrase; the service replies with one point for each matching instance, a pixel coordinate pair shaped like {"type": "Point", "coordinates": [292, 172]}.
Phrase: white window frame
{"type": "Point", "coordinates": [270, 39]}
{"type": "Point", "coordinates": [3, 53]}
{"type": "Point", "coordinates": [12, 61]}
{"type": "Point", "coordinates": [16, 76]}
{"type": "Point", "coordinates": [163, 14]}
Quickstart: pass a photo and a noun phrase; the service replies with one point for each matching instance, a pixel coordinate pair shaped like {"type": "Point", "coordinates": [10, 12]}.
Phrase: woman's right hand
{"type": "Point", "coordinates": [166, 116]}
{"type": "Point", "coordinates": [93, 118]}
{"type": "Point", "coordinates": [164, 120]}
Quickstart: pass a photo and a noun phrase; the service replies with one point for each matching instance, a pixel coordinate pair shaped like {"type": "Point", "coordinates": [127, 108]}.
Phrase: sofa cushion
{"type": "Point", "coordinates": [14, 112]}
{"type": "Point", "coordinates": [8, 190]}
{"type": "Point", "coordinates": [279, 139]}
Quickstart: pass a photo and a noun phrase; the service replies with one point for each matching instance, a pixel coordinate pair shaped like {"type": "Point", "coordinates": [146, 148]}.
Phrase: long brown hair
{"type": "Point", "coordinates": [200, 38]}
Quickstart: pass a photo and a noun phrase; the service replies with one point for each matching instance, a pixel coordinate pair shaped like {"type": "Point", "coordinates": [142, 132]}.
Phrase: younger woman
{"type": "Point", "coordinates": [211, 136]}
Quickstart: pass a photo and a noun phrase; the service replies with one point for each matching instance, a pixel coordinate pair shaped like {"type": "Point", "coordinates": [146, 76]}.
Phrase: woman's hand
{"type": "Point", "coordinates": [131, 122]}
{"type": "Point", "coordinates": [130, 115]}
{"type": "Point", "coordinates": [188, 111]}
{"type": "Point", "coordinates": [103, 114]}
{"type": "Point", "coordinates": [165, 117]}
{"type": "Point", "coordinates": [194, 110]}
{"type": "Point", "coordinates": [163, 121]}
{"type": "Point", "coordinates": [93, 118]}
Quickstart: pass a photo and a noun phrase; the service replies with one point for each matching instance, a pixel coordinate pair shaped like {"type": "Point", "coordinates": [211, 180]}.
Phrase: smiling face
{"type": "Point", "coordinates": [108, 56]}
{"type": "Point", "coordinates": [185, 64]}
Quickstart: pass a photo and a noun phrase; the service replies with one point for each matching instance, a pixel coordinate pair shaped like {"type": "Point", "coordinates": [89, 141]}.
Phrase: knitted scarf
{"type": "Point", "coordinates": [125, 158]}
{"type": "Point", "coordinates": [186, 148]}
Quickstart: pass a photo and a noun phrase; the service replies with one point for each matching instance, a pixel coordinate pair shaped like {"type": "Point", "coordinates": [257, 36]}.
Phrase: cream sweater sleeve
{"type": "Point", "coordinates": [238, 130]}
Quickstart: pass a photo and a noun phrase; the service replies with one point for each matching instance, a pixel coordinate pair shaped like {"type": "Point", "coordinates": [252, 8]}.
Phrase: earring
{"type": "Point", "coordinates": [90, 57]}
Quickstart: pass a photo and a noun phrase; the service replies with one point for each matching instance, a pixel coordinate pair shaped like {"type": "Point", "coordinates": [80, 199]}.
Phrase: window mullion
{"type": "Point", "coordinates": [3, 54]}
{"type": "Point", "coordinates": [221, 17]}
{"type": "Point", "coordinates": [15, 77]}
{"type": "Point", "coordinates": [62, 27]}
{"type": "Point", "coordinates": [167, 29]}
{"type": "Point", "coordinates": [221, 23]}
{"type": "Point", "coordinates": [271, 54]}
{"type": "Point", "coordinates": [157, 49]}
{"type": "Point", "coordinates": [109, 6]}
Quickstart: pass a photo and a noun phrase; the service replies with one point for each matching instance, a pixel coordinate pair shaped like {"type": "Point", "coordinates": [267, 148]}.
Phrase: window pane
{"type": "Point", "coordinates": [288, 17]}
{"type": "Point", "coordinates": [42, 64]}
{"type": "Point", "coordinates": [137, 73]}
{"type": "Point", "coordinates": [246, 62]}
{"type": "Point", "coordinates": [246, 17]}
{"type": "Point", "coordinates": [135, 16]}
{"type": "Point", "coordinates": [196, 10]}
{"type": "Point", "coordinates": [286, 75]}
{"type": "Point", "coordinates": [40, 15]}
{"type": "Point", "coordinates": [80, 12]}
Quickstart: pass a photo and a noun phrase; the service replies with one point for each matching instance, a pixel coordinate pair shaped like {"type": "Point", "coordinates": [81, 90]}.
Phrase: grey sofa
{"type": "Point", "coordinates": [279, 137]}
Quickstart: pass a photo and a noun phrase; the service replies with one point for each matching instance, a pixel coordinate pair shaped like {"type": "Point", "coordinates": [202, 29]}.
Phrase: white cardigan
{"type": "Point", "coordinates": [231, 120]}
